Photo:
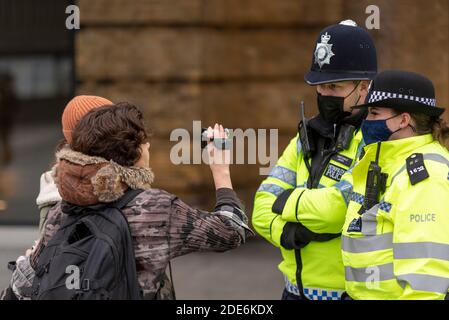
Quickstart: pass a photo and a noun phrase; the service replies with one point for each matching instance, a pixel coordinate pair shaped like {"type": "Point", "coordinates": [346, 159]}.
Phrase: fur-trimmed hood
{"type": "Point", "coordinates": [87, 180]}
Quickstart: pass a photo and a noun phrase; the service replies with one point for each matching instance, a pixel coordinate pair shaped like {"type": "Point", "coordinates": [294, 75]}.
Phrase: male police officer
{"type": "Point", "coordinates": [294, 206]}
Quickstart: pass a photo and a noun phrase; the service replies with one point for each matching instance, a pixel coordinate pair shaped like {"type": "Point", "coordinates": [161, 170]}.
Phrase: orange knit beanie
{"type": "Point", "coordinates": [76, 109]}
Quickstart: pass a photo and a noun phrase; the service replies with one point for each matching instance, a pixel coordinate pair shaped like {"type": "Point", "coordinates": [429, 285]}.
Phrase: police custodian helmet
{"type": "Point", "coordinates": [343, 52]}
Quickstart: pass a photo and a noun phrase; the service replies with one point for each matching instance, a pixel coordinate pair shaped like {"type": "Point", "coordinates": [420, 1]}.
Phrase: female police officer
{"type": "Point", "coordinates": [395, 238]}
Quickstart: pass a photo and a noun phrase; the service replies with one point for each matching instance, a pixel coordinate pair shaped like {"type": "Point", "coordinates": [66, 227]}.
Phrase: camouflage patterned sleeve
{"type": "Point", "coordinates": [196, 230]}
{"type": "Point", "coordinates": [51, 225]}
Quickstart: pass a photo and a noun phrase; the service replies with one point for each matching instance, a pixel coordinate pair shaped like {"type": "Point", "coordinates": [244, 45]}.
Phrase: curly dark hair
{"type": "Point", "coordinates": [114, 132]}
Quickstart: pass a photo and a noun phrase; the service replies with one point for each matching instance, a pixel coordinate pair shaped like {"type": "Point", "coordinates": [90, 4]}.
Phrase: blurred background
{"type": "Point", "coordinates": [237, 62]}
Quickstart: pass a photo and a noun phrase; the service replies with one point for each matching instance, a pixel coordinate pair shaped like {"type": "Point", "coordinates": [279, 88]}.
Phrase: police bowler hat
{"type": "Point", "coordinates": [403, 91]}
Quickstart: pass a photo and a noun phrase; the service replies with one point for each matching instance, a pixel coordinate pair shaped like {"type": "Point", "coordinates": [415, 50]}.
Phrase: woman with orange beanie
{"type": "Point", "coordinates": [73, 112]}
{"type": "Point", "coordinates": [48, 196]}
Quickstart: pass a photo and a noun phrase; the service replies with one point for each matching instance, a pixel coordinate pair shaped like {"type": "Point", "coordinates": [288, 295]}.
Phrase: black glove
{"type": "Point", "coordinates": [296, 236]}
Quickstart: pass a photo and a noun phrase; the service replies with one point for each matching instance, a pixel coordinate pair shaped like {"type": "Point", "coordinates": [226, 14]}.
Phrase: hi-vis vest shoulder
{"type": "Point", "coordinates": [320, 210]}
{"type": "Point", "coordinates": [400, 250]}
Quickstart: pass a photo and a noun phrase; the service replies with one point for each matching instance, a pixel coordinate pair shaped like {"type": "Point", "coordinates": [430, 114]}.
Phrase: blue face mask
{"type": "Point", "coordinates": [376, 130]}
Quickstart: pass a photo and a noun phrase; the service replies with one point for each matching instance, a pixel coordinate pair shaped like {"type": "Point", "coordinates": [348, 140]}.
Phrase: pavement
{"type": "Point", "coordinates": [246, 273]}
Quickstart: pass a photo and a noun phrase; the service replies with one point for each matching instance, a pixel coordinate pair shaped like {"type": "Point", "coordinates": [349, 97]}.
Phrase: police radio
{"type": "Point", "coordinates": [376, 183]}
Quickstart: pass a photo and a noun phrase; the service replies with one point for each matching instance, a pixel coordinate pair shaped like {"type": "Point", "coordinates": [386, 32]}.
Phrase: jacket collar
{"type": "Point", "coordinates": [393, 153]}
{"type": "Point", "coordinates": [389, 150]}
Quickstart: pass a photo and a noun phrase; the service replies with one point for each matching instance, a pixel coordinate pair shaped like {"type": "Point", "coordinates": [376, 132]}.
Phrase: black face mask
{"type": "Point", "coordinates": [331, 108]}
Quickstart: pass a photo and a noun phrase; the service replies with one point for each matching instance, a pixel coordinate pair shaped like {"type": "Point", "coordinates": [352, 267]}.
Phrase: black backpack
{"type": "Point", "coordinates": [91, 256]}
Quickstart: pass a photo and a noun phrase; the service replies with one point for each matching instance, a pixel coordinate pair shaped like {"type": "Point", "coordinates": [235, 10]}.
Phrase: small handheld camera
{"type": "Point", "coordinates": [220, 143]}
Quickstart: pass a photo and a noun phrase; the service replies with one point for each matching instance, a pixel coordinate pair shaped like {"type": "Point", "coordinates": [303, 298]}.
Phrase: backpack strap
{"type": "Point", "coordinates": [134, 291]}
{"type": "Point", "coordinates": [126, 198]}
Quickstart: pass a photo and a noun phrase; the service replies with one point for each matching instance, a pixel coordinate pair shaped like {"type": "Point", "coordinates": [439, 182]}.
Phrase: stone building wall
{"type": "Point", "coordinates": [238, 62]}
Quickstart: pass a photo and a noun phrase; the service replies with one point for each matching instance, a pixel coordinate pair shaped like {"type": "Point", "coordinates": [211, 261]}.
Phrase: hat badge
{"type": "Point", "coordinates": [323, 51]}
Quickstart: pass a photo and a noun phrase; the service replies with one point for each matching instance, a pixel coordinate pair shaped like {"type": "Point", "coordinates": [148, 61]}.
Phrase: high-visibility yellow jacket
{"type": "Point", "coordinates": [320, 210]}
{"type": "Point", "coordinates": [401, 248]}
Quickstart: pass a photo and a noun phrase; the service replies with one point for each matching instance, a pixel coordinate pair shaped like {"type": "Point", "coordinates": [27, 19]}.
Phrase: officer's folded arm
{"type": "Point", "coordinates": [296, 235]}
{"type": "Point", "coordinates": [268, 224]}
{"type": "Point", "coordinates": [319, 210]}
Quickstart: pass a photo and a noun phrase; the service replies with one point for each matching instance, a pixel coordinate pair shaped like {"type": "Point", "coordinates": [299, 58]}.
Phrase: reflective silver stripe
{"type": "Point", "coordinates": [423, 282]}
{"type": "Point", "coordinates": [436, 157]}
{"type": "Point", "coordinates": [379, 273]}
{"type": "Point", "coordinates": [369, 217]}
{"type": "Point", "coordinates": [272, 188]}
{"type": "Point", "coordinates": [369, 221]}
{"type": "Point", "coordinates": [284, 174]}
{"type": "Point", "coordinates": [298, 145]}
{"type": "Point", "coordinates": [427, 156]}
{"type": "Point", "coordinates": [345, 188]}
{"type": "Point", "coordinates": [417, 250]}
{"type": "Point", "coordinates": [367, 244]}
{"type": "Point", "coordinates": [398, 173]}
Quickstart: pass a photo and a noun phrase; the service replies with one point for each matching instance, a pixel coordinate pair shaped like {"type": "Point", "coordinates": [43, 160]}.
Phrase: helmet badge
{"type": "Point", "coordinates": [323, 51]}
